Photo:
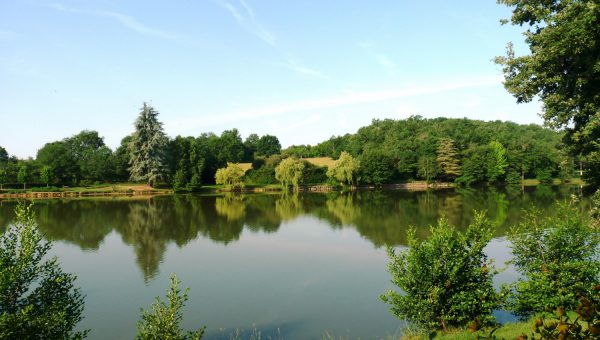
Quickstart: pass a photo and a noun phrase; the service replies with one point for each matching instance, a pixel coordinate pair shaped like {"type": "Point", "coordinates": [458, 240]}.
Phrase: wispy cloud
{"type": "Point", "coordinates": [246, 18]}
{"type": "Point", "coordinates": [380, 58]}
{"type": "Point", "coordinates": [125, 20]}
{"type": "Point", "coordinates": [354, 98]}
{"type": "Point", "coordinates": [298, 67]}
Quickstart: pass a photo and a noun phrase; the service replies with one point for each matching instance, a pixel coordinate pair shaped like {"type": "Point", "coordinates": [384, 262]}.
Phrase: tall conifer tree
{"type": "Point", "coordinates": [147, 148]}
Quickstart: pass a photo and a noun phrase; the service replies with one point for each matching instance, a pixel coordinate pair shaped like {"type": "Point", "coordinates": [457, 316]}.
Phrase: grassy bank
{"type": "Point", "coordinates": [506, 331]}
{"type": "Point", "coordinates": [133, 188]}
{"type": "Point", "coordinates": [106, 189]}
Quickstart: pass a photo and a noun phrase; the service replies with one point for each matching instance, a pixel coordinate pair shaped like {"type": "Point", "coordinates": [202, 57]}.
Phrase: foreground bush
{"type": "Point", "coordinates": [37, 299]}
{"type": "Point", "coordinates": [558, 258]}
{"type": "Point", "coordinates": [162, 321]}
{"type": "Point", "coordinates": [446, 280]}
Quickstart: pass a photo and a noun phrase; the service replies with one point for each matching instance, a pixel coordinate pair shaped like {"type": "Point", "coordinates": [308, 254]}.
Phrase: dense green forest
{"type": "Point", "coordinates": [469, 152]}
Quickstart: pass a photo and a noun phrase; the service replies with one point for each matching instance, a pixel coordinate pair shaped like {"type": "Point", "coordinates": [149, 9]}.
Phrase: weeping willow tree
{"type": "Point", "coordinates": [147, 148]}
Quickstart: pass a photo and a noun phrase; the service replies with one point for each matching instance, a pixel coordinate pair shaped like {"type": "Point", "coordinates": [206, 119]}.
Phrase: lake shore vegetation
{"type": "Point", "coordinates": [466, 152]}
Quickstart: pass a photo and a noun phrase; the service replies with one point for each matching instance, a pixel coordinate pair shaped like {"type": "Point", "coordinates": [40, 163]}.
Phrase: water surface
{"type": "Point", "coordinates": [294, 266]}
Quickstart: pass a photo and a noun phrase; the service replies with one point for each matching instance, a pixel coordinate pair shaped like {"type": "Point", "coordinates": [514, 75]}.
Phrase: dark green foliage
{"type": "Point", "coordinates": [313, 174]}
{"type": "Point", "coordinates": [301, 151]}
{"type": "Point", "coordinates": [258, 163]}
{"type": "Point", "coordinates": [261, 176]}
{"type": "Point", "coordinates": [230, 147]}
{"type": "Point", "coordinates": [82, 158]}
{"type": "Point", "coordinates": [412, 142]}
{"type": "Point", "coordinates": [163, 320]}
{"type": "Point", "coordinates": [558, 259]}
{"type": "Point", "coordinates": [446, 280]}
{"type": "Point", "coordinates": [428, 168]}
{"type": "Point", "coordinates": [37, 299]}
{"type": "Point", "coordinates": [23, 175]}
{"type": "Point", "coordinates": [3, 177]}
{"type": "Point", "coordinates": [205, 148]}
{"type": "Point", "coordinates": [474, 169]}
{"type": "Point", "coordinates": [561, 68]}
{"type": "Point", "coordinates": [268, 145]}
{"type": "Point", "coordinates": [3, 156]}
{"type": "Point", "coordinates": [376, 167]}
{"type": "Point", "coordinates": [186, 163]}
{"type": "Point", "coordinates": [250, 145]}
{"type": "Point", "coordinates": [513, 177]}
{"type": "Point", "coordinates": [58, 157]}
{"type": "Point", "coordinates": [544, 176]}
{"type": "Point", "coordinates": [415, 148]}
{"type": "Point", "coordinates": [121, 158]}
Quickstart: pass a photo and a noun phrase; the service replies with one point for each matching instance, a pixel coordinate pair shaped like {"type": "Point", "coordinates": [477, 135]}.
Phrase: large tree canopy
{"type": "Point", "coordinates": [563, 69]}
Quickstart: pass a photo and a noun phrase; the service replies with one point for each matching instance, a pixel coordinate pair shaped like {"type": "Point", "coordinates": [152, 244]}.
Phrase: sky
{"type": "Point", "coordinates": [300, 70]}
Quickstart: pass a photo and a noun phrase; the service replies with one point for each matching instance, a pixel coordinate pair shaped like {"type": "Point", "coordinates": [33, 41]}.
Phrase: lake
{"type": "Point", "coordinates": [290, 266]}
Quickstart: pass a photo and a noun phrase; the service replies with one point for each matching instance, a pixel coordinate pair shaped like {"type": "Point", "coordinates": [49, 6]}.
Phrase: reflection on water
{"type": "Point", "coordinates": [148, 225]}
{"type": "Point", "coordinates": [296, 265]}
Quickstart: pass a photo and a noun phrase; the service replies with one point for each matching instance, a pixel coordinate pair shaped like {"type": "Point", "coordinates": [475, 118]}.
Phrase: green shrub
{"type": "Point", "coordinates": [163, 320]}
{"type": "Point", "coordinates": [558, 259]}
{"type": "Point", "coordinates": [446, 280]}
{"type": "Point", "coordinates": [37, 299]}
{"type": "Point", "coordinates": [261, 176]}
{"type": "Point", "coordinates": [258, 162]}
{"type": "Point", "coordinates": [513, 177]}
{"type": "Point", "coordinates": [313, 174]}
{"type": "Point", "coordinates": [376, 167]}
{"type": "Point", "coordinates": [544, 176]}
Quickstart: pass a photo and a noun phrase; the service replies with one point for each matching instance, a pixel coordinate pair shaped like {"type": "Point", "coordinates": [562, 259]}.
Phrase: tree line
{"type": "Point", "coordinates": [470, 152]}
{"type": "Point", "coordinates": [445, 149]}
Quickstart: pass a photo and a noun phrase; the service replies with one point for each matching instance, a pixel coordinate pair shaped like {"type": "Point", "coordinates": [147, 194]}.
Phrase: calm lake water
{"type": "Point", "coordinates": [290, 266]}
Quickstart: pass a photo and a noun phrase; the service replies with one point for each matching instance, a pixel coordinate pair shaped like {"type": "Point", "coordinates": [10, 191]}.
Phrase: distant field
{"type": "Point", "coordinates": [320, 161]}
{"type": "Point", "coordinates": [245, 166]}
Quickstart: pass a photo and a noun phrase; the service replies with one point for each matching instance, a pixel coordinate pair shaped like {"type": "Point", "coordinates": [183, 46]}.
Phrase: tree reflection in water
{"type": "Point", "coordinates": [149, 225]}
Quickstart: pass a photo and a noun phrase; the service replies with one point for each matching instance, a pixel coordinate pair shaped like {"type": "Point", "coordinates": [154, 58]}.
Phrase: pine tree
{"type": "Point", "coordinates": [147, 148]}
{"type": "Point", "coordinates": [447, 159]}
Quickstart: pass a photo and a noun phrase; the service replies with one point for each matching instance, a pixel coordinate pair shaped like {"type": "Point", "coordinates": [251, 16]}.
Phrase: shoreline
{"type": "Point", "coordinates": [149, 192]}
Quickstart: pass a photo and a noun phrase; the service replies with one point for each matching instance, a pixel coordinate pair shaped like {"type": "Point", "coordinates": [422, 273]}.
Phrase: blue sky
{"type": "Point", "coordinates": [301, 70]}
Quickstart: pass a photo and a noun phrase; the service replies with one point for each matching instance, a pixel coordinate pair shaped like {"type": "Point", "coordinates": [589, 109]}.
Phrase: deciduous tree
{"type": "Point", "coordinates": [497, 162]}
{"type": "Point", "coordinates": [344, 169]}
{"type": "Point", "coordinates": [23, 175]}
{"type": "Point", "coordinates": [230, 176]}
{"type": "Point", "coordinates": [46, 174]}
{"type": "Point", "coordinates": [37, 299]}
{"type": "Point", "coordinates": [561, 69]}
{"type": "Point", "coordinates": [3, 177]}
{"type": "Point", "coordinates": [268, 145]}
{"type": "Point", "coordinates": [446, 280]}
{"type": "Point", "coordinates": [289, 172]}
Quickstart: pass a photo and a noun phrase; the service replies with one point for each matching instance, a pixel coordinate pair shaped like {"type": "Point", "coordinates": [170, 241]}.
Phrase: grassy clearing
{"type": "Point", "coordinates": [245, 166]}
{"type": "Point", "coordinates": [506, 331]}
{"type": "Point", "coordinates": [320, 161]}
{"type": "Point", "coordinates": [556, 181]}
